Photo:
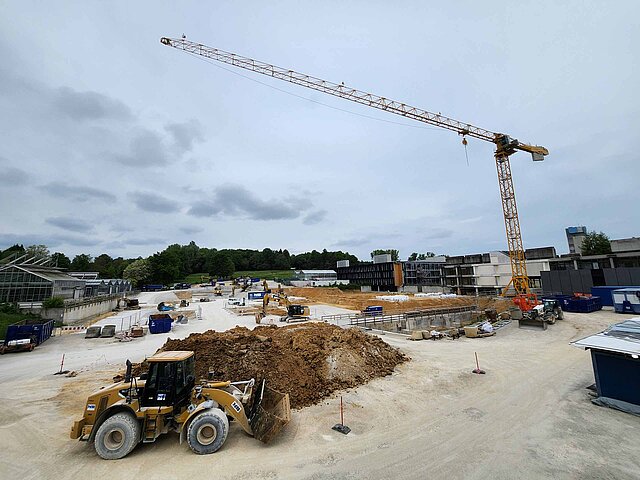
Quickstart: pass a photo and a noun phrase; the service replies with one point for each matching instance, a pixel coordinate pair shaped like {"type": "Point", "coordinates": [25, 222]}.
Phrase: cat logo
{"type": "Point", "coordinates": [236, 406]}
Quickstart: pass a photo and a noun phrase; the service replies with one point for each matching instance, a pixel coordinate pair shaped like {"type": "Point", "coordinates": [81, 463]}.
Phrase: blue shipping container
{"type": "Point", "coordinates": [605, 293]}
{"type": "Point", "coordinates": [40, 330]}
{"type": "Point", "coordinates": [160, 323]}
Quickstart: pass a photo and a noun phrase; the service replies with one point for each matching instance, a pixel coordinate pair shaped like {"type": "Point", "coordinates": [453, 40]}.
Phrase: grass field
{"type": "Point", "coordinates": [196, 278]}
{"type": "Point", "coordinates": [268, 274]}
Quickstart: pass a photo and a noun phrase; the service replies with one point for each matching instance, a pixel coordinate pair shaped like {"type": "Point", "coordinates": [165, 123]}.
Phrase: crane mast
{"type": "Point", "coordinates": [505, 145]}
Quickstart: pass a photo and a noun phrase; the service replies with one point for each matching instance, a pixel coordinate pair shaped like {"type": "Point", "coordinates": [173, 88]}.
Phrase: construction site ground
{"type": "Point", "coordinates": [355, 300]}
{"type": "Point", "coordinates": [530, 416]}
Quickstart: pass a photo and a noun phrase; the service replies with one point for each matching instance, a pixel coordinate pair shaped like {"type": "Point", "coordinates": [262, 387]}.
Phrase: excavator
{"type": "Point", "coordinates": [118, 417]}
{"type": "Point", "coordinates": [295, 313]}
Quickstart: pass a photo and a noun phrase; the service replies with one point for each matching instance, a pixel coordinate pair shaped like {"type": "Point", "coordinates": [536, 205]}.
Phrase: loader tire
{"type": "Point", "coordinates": [208, 431]}
{"type": "Point", "coordinates": [117, 436]}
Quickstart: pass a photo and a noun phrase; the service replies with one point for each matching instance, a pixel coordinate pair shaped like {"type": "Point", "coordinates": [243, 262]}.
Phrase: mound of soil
{"type": "Point", "coordinates": [309, 361]}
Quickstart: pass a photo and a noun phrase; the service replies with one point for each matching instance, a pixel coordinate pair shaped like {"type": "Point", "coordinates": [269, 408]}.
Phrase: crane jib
{"type": "Point", "coordinates": [505, 145]}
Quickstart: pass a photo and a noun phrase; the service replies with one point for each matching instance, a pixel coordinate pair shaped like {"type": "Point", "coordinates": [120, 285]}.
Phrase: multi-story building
{"type": "Point", "coordinates": [575, 237]}
{"type": "Point", "coordinates": [489, 273]}
{"type": "Point", "coordinates": [380, 275]}
{"type": "Point", "coordinates": [424, 273]}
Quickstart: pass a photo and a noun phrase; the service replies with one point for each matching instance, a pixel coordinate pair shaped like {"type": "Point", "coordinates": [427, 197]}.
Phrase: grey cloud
{"type": "Point", "coordinates": [89, 105]}
{"type": "Point", "coordinates": [69, 223]}
{"type": "Point", "coordinates": [152, 202]}
{"type": "Point", "coordinates": [146, 241]}
{"type": "Point", "coordinates": [122, 228]}
{"type": "Point", "coordinates": [14, 177]}
{"type": "Point", "coordinates": [314, 217]}
{"type": "Point", "coordinates": [185, 134]}
{"type": "Point", "coordinates": [237, 201]}
{"type": "Point", "coordinates": [191, 230]}
{"type": "Point", "coordinates": [353, 242]}
{"type": "Point", "coordinates": [51, 241]}
{"type": "Point", "coordinates": [79, 193]}
{"type": "Point", "coordinates": [436, 234]}
{"type": "Point", "coordinates": [206, 208]}
{"type": "Point", "coordinates": [145, 150]}
{"type": "Point", "coordinates": [72, 240]}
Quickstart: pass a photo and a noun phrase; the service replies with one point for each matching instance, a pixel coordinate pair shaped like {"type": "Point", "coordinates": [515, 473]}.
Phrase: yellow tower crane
{"type": "Point", "coordinates": [505, 145]}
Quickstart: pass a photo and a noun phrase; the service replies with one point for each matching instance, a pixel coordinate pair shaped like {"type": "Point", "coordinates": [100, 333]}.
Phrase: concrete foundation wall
{"type": "Point", "coordinates": [82, 312]}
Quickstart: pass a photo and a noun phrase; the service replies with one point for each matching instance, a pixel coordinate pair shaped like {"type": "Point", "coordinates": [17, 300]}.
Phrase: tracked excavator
{"type": "Point", "coordinates": [295, 313]}
{"type": "Point", "coordinates": [138, 410]}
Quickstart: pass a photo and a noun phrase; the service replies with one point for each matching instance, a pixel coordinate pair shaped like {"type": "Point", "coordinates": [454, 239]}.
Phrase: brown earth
{"type": "Point", "coordinates": [309, 361]}
{"type": "Point", "coordinates": [359, 300]}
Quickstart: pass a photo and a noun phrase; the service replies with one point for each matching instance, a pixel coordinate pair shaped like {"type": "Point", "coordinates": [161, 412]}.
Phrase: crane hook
{"type": "Point", "coordinates": [464, 142]}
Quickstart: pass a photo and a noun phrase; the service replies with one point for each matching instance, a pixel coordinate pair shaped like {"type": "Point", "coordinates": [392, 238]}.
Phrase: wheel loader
{"type": "Point", "coordinates": [138, 410]}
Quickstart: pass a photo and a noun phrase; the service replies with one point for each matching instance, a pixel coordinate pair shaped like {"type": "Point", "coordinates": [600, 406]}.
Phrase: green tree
{"type": "Point", "coordinates": [165, 266]}
{"type": "Point", "coordinates": [13, 251]}
{"type": "Point", "coordinates": [103, 264]}
{"type": "Point", "coordinates": [138, 271]}
{"type": "Point", "coordinates": [60, 260]}
{"type": "Point", "coordinates": [53, 302]}
{"type": "Point", "coordinates": [595, 243]}
{"type": "Point", "coordinates": [82, 263]}
{"type": "Point", "coordinates": [221, 265]}
{"type": "Point", "coordinates": [37, 251]}
{"type": "Point", "coordinates": [395, 254]}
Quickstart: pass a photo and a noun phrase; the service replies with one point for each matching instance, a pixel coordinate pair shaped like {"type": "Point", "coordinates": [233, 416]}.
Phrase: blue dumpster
{"type": "Point", "coordinates": [160, 323]}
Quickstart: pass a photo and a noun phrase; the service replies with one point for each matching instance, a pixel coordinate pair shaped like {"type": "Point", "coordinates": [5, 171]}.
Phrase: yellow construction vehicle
{"type": "Point", "coordinates": [263, 313]}
{"type": "Point", "coordinates": [118, 417]}
{"type": "Point", "coordinates": [295, 312]}
{"type": "Point", "coordinates": [265, 285]}
{"type": "Point", "coordinates": [217, 291]}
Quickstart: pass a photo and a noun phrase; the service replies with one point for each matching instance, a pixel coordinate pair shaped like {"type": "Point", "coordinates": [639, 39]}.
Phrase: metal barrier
{"type": "Point", "coordinates": [410, 320]}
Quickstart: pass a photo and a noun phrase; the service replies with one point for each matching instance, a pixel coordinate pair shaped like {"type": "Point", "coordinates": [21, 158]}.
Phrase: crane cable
{"type": "Point", "coordinates": [464, 142]}
{"type": "Point", "coordinates": [308, 99]}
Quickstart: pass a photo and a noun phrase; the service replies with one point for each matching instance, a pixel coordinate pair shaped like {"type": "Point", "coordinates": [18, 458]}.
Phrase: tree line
{"type": "Point", "coordinates": [176, 261]}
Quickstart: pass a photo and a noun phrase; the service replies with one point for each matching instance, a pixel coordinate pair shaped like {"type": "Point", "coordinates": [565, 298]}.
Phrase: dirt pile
{"type": "Point", "coordinates": [359, 300]}
{"type": "Point", "coordinates": [309, 361]}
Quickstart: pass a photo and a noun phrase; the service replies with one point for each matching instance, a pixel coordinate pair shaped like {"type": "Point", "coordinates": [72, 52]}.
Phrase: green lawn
{"type": "Point", "coordinates": [268, 274]}
{"type": "Point", "coordinates": [196, 278]}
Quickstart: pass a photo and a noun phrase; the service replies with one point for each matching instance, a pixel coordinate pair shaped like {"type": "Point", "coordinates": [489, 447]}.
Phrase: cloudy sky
{"type": "Point", "coordinates": [113, 143]}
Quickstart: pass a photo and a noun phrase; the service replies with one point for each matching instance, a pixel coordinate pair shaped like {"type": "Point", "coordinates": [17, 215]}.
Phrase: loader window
{"type": "Point", "coordinates": [159, 388]}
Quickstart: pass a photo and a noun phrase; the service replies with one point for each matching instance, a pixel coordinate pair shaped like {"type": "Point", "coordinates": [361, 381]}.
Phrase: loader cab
{"type": "Point", "coordinates": [170, 379]}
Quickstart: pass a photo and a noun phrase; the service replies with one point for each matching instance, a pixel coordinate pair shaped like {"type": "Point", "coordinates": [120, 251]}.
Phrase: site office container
{"type": "Point", "coordinates": [256, 295]}
{"type": "Point", "coordinates": [160, 323]}
{"type": "Point", "coordinates": [627, 300]}
{"type": "Point", "coordinates": [39, 330]}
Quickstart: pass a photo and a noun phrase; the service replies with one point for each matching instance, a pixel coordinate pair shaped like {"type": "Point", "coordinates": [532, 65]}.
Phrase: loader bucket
{"type": "Point", "coordinates": [271, 412]}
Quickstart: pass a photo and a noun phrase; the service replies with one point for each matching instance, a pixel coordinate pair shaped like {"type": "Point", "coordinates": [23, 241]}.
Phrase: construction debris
{"type": "Point", "coordinates": [309, 361]}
